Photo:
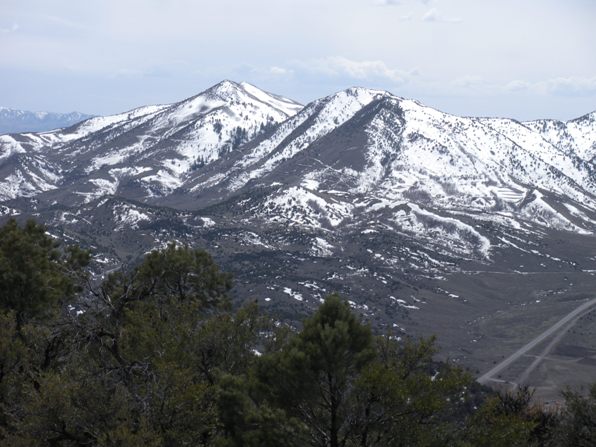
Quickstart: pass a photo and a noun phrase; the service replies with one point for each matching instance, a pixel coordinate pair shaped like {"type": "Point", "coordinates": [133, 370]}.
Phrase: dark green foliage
{"type": "Point", "coordinates": [147, 354]}
{"type": "Point", "coordinates": [404, 392]}
{"type": "Point", "coordinates": [175, 273]}
{"type": "Point", "coordinates": [352, 389]}
{"type": "Point", "coordinates": [36, 277]}
{"type": "Point", "coordinates": [198, 163]}
{"type": "Point", "coordinates": [35, 274]}
{"type": "Point", "coordinates": [313, 377]}
{"type": "Point", "coordinates": [158, 359]}
{"type": "Point", "coordinates": [238, 137]}
{"type": "Point", "coordinates": [268, 126]}
{"type": "Point", "coordinates": [139, 367]}
{"type": "Point", "coordinates": [577, 427]}
{"type": "Point", "coordinates": [506, 419]}
{"type": "Point", "coordinates": [248, 421]}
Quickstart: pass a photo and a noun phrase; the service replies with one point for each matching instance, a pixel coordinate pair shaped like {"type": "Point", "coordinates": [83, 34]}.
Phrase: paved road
{"type": "Point", "coordinates": [488, 376]}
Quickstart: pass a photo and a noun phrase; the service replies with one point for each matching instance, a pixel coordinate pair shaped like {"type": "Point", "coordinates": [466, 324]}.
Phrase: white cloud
{"type": "Point", "coordinates": [337, 66]}
{"type": "Point", "coordinates": [11, 29]}
{"type": "Point", "coordinates": [266, 72]}
{"type": "Point", "coordinates": [570, 86]}
{"type": "Point", "coordinates": [388, 2]}
{"type": "Point", "coordinates": [516, 86]}
{"type": "Point", "coordinates": [469, 81]}
{"type": "Point", "coordinates": [185, 39]}
{"type": "Point", "coordinates": [433, 15]}
{"type": "Point", "coordinates": [63, 22]}
{"type": "Point", "coordinates": [562, 86]}
{"type": "Point", "coordinates": [280, 71]}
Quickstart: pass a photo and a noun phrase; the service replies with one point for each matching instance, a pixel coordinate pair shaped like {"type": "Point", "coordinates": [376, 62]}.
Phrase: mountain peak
{"type": "Point", "coordinates": [225, 86]}
{"type": "Point", "coordinates": [342, 105]}
{"type": "Point", "coordinates": [149, 150]}
{"type": "Point", "coordinates": [243, 92]}
{"type": "Point", "coordinates": [356, 97]}
{"type": "Point", "coordinates": [356, 90]}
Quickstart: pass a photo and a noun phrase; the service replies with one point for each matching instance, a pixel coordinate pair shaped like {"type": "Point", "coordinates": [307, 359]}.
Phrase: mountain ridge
{"type": "Point", "coordinates": [429, 222]}
{"type": "Point", "coordinates": [175, 136]}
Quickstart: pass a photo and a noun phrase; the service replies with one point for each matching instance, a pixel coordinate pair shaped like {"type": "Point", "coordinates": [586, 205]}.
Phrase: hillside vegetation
{"type": "Point", "coordinates": [156, 356]}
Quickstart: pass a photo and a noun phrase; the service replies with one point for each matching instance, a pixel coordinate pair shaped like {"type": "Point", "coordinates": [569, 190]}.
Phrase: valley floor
{"type": "Point", "coordinates": [488, 332]}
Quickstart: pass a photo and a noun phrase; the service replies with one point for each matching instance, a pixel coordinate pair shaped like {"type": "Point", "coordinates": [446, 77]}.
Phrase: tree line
{"type": "Point", "coordinates": [156, 356]}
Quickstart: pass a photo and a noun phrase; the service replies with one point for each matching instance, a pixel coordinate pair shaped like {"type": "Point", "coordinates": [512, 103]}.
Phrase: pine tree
{"type": "Point", "coordinates": [313, 377]}
{"type": "Point", "coordinates": [37, 277]}
{"type": "Point", "coordinates": [577, 426]}
{"type": "Point", "coordinates": [35, 273]}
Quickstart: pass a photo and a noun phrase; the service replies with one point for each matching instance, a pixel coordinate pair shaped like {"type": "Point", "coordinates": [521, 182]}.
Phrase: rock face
{"type": "Point", "coordinates": [430, 222]}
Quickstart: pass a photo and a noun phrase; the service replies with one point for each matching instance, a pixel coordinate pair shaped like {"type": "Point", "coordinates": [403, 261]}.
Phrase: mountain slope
{"type": "Point", "coordinates": [573, 137]}
{"type": "Point", "coordinates": [478, 230]}
{"type": "Point", "coordinates": [361, 150]}
{"type": "Point", "coordinates": [145, 152]}
{"type": "Point", "coordinates": [330, 165]}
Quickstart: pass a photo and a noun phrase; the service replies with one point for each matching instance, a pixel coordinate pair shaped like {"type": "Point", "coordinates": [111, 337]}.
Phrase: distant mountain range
{"type": "Point", "coordinates": [430, 222]}
{"type": "Point", "coordinates": [16, 121]}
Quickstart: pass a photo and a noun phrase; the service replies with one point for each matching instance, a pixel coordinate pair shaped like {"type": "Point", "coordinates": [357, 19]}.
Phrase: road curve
{"type": "Point", "coordinates": [486, 377]}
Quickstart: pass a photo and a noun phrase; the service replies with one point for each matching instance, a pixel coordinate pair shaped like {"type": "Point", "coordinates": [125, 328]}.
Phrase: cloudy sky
{"type": "Point", "coordinates": [520, 58]}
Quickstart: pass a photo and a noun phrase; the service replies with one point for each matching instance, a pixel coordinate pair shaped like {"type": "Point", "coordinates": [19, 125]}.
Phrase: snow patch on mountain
{"type": "Point", "coordinates": [324, 116]}
{"type": "Point", "coordinates": [287, 106]}
{"type": "Point", "coordinates": [128, 216]}
{"type": "Point", "coordinates": [296, 295]}
{"type": "Point", "coordinates": [299, 206]}
{"type": "Point", "coordinates": [170, 140]}
{"type": "Point", "coordinates": [9, 146]}
{"type": "Point", "coordinates": [459, 236]}
{"type": "Point", "coordinates": [321, 247]}
{"type": "Point", "coordinates": [540, 211]}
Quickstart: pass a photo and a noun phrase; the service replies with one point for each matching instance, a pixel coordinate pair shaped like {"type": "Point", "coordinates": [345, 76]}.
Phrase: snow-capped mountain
{"type": "Point", "coordinates": [145, 152]}
{"type": "Point", "coordinates": [574, 137]}
{"type": "Point", "coordinates": [15, 121]}
{"type": "Point", "coordinates": [425, 219]}
{"type": "Point", "coordinates": [361, 152]}
{"type": "Point", "coordinates": [334, 164]}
